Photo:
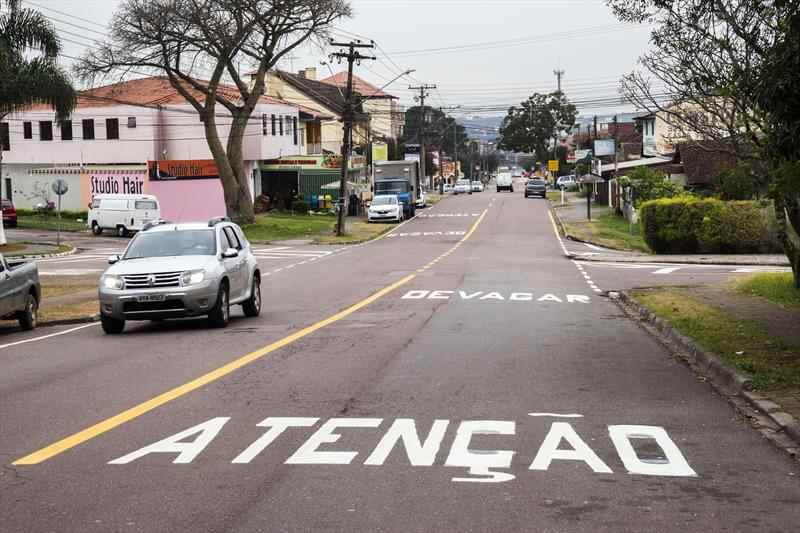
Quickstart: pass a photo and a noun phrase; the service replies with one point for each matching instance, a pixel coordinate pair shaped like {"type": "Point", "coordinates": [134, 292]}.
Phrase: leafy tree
{"type": "Point", "coordinates": [173, 38]}
{"type": "Point", "coordinates": [532, 126]}
{"type": "Point", "coordinates": [438, 129]}
{"type": "Point", "coordinates": [728, 70]}
{"type": "Point", "coordinates": [649, 184]}
{"type": "Point", "coordinates": [742, 182]}
{"type": "Point", "coordinates": [29, 49]}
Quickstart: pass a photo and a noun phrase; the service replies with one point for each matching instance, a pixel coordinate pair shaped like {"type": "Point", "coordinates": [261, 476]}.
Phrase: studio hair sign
{"type": "Point", "coordinates": [113, 182]}
{"type": "Point", "coordinates": [182, 169]}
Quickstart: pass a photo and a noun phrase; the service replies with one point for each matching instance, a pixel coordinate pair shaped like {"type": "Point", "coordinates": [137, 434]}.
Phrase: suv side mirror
{"type": "Point", "coordinates": [230, 253]}
{"type": "Point", "coordinates": [113, 259]}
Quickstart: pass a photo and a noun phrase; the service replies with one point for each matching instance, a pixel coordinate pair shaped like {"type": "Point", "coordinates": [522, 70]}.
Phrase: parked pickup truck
{"type": "Point", "coordinates": [20, 293]}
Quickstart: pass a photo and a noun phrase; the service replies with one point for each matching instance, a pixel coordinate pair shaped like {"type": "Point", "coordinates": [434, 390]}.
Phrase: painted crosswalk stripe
{"type": "Point", "coordinates": [667, 270]}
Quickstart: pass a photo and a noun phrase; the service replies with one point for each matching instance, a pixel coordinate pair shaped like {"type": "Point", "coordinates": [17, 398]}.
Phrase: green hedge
{"type": "Point", "coordinates": [691, 225]}
{"type": "Point", "coordinates": [65, 213]}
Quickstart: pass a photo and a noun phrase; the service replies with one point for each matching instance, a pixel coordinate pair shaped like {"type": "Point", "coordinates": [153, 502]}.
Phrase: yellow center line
{"type": "Point", "coordinates": [108, 424]}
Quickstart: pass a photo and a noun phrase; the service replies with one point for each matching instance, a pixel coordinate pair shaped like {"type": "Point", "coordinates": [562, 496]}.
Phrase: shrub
{"type": "Point", "coordinates": [738, 183]}
{"type": "Point", "coordinates": [692, 225]}
{"type": "Point", "coordinates": [300, 206]}
{"type": "Point", "coordinates": [649, 184]}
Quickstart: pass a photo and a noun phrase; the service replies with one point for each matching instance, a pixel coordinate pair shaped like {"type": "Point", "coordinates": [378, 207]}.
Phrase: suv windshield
{"type": "Point", "coordinates": [384, 200]}
{"type": "Point", "coordinates": [172, 243]}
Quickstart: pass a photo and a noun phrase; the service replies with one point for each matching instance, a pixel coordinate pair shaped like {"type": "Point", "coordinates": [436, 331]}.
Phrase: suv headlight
{"type": "Point", "coordinates": [113, 282]}
{"type": "Point", "coordinates": [193, 277]}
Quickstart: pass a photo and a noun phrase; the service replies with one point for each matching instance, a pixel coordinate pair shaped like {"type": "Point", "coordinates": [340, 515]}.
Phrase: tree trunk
{"type": "Point", "coordinates": [235, 185]}
{"type": "Point", "coordinates": [787, 211]}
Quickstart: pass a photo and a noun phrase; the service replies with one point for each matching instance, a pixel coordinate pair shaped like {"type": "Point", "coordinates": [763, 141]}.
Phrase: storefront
{"type": "Point", "coordinates": [84, 183]}
{"type": "Point", "coordinates": [307, 176]}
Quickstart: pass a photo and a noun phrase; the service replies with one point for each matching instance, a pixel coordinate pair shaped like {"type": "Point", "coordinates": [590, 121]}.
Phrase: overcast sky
{"type": "Point", "coordinates": [517, 45]}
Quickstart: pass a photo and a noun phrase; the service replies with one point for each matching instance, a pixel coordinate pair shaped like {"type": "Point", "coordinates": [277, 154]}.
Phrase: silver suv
{"type": "Point", "coordinates": [181, 270]}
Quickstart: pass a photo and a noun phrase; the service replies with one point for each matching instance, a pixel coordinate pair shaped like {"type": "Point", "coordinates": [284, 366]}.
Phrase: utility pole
{"type": "Point", "coordinates": [422, 157]}
{"type": "Point", "coordinates": [352, 56]}
{"type": "Point", "coordinates": [616, 159]}
{"type": "Point", "coordinates": [559, 73]}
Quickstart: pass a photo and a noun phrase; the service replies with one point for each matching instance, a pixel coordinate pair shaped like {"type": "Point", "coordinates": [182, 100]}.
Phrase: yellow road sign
{"type": "Point", "coordinates": [552, 165]}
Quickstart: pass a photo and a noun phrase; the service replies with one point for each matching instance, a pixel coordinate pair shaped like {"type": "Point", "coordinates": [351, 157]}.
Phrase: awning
{"type": "Point", "coordinates": [334, 185]}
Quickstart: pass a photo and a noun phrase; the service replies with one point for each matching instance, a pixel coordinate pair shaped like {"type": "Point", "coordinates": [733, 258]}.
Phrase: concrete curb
{"type": "Point", "coordinates": [722, 375]}
{"type": "Point", "coordinates": [24, 257]}
{"type": "Point", "coordinates": [70, 321]}
{"type": "Point", "coordinates": [675, 261]}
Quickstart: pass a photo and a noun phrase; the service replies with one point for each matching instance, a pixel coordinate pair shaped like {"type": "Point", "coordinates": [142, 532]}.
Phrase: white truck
{"type": "Point", "coordinates": [504, 181]}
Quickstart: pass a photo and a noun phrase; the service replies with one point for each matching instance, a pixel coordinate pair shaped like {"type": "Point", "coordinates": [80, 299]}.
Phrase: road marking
{"type": "Point", "coordinates": [668, 270]}
{"type": "Point", "coordinates": [69, 272]}
{"type": "Point", "coordinates": [592, 246]}
{"type": "Point", "coordinates": [108, 424]}
{"type": "Point", "coordinates": [51, 335]}
{"type": "Point", "coordinates": [126, 416]}
{"type": "Point", "coordinates": [555, 415]}
{"type": "Point", "coordinates": [483, 465]}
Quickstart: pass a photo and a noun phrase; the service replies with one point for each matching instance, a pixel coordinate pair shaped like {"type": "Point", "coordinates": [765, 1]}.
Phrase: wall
{"type": "Point", "coordinates": [189, 200]}
{"type": "Point", "coordinates": [380, 110]}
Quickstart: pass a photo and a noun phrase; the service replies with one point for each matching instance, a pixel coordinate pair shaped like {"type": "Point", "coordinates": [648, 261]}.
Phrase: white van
{"type": "Point", "coordinates": [122, 213]}
{"type": "Point", "coordinates": [505, 182]}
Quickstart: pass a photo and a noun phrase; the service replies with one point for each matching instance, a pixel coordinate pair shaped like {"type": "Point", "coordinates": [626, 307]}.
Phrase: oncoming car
{"type": "Point", "coordinates": [385, 207]}
{"type": "Point", "coordinates": [181, 270]}
{"type": "Point", "coordinates": [462, 186]}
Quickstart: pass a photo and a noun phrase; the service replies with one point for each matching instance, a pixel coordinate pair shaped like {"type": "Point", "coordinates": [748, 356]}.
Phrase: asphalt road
{"type": "Point", "coordinates": [461, 375]}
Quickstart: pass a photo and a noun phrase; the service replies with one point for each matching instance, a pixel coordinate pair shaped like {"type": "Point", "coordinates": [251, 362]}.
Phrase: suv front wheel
{"type": "Point", "coordinates": [221, 313]}
{"type": "Point", "coordinates": [111, 326]}
{"type": "Point", "coordinates": [252, 306]}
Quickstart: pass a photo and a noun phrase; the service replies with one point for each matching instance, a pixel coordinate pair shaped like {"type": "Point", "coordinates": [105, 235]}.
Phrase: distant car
{"type": "Point", "coordinates": [535, 187]}
{"type": "Point", "coordinates": [9, 214]}
{"type": "Point", "coordinates": [385, 207]}
{"type": "Point", "coordinates": [20, 293]}
{"type": "Point", "coordinates": [181, 270]}
{"type": "Point", "coordinates": [447, 188]}
{"type": "Point", "coordinates": [477, 186]}
{"type": "Point", "coordinates": [462, 186]}
{"type": "Point", "coordinates": [565, 182]}
{"type": "Point", "coordinates": [422, 200]}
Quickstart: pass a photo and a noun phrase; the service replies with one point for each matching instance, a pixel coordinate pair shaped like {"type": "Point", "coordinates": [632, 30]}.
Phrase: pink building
{"type": "Point", "coordinates": [130, 124]}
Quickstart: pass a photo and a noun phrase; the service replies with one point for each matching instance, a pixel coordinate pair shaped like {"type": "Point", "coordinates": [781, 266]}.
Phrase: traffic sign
{"type": "Point", "coordinates": [552, 165]}
{"type": "Point", "coordinates": [60, 186]}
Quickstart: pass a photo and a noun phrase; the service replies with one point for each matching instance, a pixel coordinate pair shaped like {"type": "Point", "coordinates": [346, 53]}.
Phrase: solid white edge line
{"type": "Point", "coordinates": [43, 337]}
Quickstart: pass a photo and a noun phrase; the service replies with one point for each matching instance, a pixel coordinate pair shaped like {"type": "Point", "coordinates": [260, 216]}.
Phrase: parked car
{"type": "Point", "coordinates": [462, 186]}
{"type": "Point", "coordinates": [9, 214]}
{"type": "Point", "coordinates": [181, 270]}
{"type": "Point", "coordinates": [447, 188]}
{"type": "Point", "coordinates": [422, 199]}
{"type": "Point", "coordinates": [565, 182]}
{"type": "Point", "coordinates": [477, 186]}
{"type": "Point", "coordinates": [122, 213]}
{"type": "Point", "coordinates": [20, 293]}
{"type": "Point", "coordinates": [535, 187]}
{"type": "Point", "coordinates": [385, 207]}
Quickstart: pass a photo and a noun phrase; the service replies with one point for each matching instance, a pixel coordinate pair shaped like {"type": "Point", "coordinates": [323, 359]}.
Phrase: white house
{"type": "Point", "coordinates": [138, 123]}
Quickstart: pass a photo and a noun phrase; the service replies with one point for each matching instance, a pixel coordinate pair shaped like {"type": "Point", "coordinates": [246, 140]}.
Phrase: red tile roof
{"type": "Point", "coordinates": [362, 87]}
{"type": "Point", "coordinates": [151, 91]}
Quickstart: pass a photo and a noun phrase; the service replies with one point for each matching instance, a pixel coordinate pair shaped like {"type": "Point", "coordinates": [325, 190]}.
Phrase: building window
{"type": "Point", "coordinates": [112, 128]}
{"type": "Point", "coordinates": [280, 125]}
{"type": "Point", "coordinates": [88, 129]}
{"type": "Point", "coordinates": [131, 122]}
{"type": "Point", "coordinates": [273, 125]}
{"type": "Point", "coordinates": [27, 130]}
{"type": "Point", "coordinates": [5, 139]}
{"type": "Point", "coordinates": [66, 130]}
{"type": "Point", "coordinates": [264, 125]}
{"type": "Point", "coordinates": [294, 129]}
{"type": "Point", "coordinates": [46, 130]}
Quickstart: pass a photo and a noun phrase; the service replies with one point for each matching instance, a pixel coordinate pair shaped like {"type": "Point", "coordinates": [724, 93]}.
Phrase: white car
{"type": "Point", "coordinates": [422, 200]}
{"type": "Point", "coordinates": [462, 187]}
{"type": "Point", "coordinates": [447, 188]}
{"type": "Point", "coordinates": [565, 182]}
{"type": "Point", "coordinates": [385, 207]}
{"type": "Point", "coordinates": [477, 186]}
{"type": "Point", "coordinates": [122, 213]}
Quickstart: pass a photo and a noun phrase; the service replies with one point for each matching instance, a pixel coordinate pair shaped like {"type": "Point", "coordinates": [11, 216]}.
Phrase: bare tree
{"type": "Point", "coordinates": [173, 37]}
{"type": "Point", "coordinates": [703, 67]}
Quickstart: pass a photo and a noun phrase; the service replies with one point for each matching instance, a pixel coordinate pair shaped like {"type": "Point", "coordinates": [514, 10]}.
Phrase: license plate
{"type": "Point", "coordinates": [151, 298]}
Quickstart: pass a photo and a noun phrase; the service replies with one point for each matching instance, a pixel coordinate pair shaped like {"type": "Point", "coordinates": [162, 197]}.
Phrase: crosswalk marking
{"type": "Point", "coordinates": [668, 270]}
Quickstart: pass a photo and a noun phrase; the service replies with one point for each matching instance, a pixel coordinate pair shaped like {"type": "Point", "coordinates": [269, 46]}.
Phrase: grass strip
{"type": "Point", "coordinates": [746, 345]}
{"type": "Point", "coordinates": [777, 287]}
